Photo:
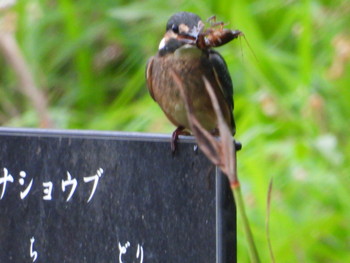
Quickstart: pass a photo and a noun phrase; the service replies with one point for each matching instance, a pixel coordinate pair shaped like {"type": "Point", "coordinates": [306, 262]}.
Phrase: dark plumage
{"type": "Point", "coordinates": [189, 19]}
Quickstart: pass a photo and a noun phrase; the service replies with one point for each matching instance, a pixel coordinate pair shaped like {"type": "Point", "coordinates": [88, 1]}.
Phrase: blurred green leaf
{"type": "Point", "coordinates": [291, 99]}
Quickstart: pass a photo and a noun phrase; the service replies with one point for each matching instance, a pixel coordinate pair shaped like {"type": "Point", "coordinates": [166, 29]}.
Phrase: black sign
{"type": "Point", "coordinates": [100, 197]}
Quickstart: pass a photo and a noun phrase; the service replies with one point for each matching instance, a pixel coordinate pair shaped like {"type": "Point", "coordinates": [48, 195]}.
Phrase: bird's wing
{"type": "Point", "coordinates": [149, 67]}
{"type": "Point", "coordinates": [223, 78]}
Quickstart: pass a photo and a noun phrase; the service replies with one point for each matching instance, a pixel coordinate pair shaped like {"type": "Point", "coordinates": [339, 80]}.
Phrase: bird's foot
{"type": "Point", "coordinates": [175, 136]}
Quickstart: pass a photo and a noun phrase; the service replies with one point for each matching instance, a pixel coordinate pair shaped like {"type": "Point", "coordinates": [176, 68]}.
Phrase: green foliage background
{"type": "Point", "coordinates": [291, 99]}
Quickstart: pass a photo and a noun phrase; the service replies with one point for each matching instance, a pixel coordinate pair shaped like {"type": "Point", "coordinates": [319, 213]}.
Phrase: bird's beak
{"type": "Point", "coordinates": [187, 36]}
{"type": "Point", "coordinates": [196, 30]}
{"type": "Point", "coordinates": [192, 34]}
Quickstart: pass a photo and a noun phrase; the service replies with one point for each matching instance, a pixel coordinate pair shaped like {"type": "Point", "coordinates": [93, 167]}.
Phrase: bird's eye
{"type": "Point", "coordinates": [175, 28]}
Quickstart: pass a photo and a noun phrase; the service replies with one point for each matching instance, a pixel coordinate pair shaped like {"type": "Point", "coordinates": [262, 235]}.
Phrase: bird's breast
{"type": "Point", "coordinates": [190, 65]}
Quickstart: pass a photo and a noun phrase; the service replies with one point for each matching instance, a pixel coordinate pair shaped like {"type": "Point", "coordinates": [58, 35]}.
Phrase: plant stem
{"type": "Point", "coordinates": [236, 191]}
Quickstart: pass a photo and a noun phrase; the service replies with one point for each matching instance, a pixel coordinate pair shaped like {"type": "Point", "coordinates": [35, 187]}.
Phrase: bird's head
{"type": "Point", "coordinates": [182, 28]}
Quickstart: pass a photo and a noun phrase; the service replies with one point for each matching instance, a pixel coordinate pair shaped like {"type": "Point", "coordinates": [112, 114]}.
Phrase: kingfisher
{"type": "Point", "coordinates": [190, 63]}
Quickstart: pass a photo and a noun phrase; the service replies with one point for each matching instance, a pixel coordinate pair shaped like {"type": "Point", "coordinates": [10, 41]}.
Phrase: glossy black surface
{"type": "Point", "coordinates": [156, 206]}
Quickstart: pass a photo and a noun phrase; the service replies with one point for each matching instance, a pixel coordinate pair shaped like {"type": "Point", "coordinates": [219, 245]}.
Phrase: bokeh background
{"type": "Point", "coordinates": [80, 65]}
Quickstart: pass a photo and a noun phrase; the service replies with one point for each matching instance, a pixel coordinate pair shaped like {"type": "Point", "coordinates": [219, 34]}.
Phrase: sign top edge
{"type": "Point", "coordinates": [92, 134]}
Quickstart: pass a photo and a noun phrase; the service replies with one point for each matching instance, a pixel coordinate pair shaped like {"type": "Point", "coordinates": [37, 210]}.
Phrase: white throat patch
{"type": "Point", "coordinates": [161, 44]}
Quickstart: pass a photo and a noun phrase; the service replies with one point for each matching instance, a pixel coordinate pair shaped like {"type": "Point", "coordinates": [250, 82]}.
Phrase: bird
{"type": "Point", "coordinates": [190, 64]}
